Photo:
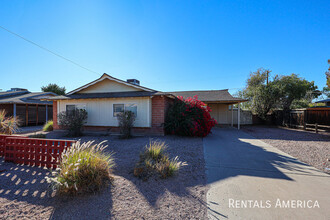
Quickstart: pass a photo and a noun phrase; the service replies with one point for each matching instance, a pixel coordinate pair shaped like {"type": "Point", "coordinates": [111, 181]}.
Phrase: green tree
{"type": "Point", "coordinates": [283, 92]}
{"type": "Point", "coordinates": [54, 88]}
{"type": "Point", "coordinates": [293, 88]}
{"type": "Point", "coordinates": [262, 94]}
{"type": "Point", "coordinates": [326, 91]}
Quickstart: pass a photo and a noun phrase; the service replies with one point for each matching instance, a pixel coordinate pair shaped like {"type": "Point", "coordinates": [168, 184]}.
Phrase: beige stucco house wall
{"type": "Point", "coordinates": [100, 111]}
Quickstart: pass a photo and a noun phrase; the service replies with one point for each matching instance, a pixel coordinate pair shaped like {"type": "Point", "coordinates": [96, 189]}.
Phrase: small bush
{"type": "Point", "coordinates": [73, 121]}
{"type": "Point", "coordinates": [189, 117]}
{"type": "Point", "coordinates": [37, 136]}
{"type": "Point", "coordinates": [8, 125]}
{"type": "Point", "coordinates": [48, 126]}
{"type": "Point", "coordinates": [84, 168]}
{"type": "Point", "coordinates": [155, 160]}
{"type": "Point", "coordinates": [125, 122]}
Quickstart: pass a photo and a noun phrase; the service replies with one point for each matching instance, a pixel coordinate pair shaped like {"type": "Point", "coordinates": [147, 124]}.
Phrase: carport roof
{"type": "Point", "coordinates": [25, 97]}
{"type": "Point", "coordinates": [323, 101]}
{"type": "Point", "coordinates": [210, 96]}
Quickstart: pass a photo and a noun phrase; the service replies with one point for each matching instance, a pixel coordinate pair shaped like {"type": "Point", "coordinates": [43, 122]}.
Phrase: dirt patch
{"type": "Point", "coordinates": [309, 147]}
{"type": "Point", "coordinates": [23, 191]}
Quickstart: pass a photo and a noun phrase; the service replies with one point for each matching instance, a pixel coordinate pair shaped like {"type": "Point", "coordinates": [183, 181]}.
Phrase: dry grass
{"type": "Point", "coordinates": [8, 125]}
{"type": "Point", "coordinates": [154, 159]}
{"type": "Point", "coordinates": [24, 192]}
{"type": "Point", "coordinates": [84, 168]}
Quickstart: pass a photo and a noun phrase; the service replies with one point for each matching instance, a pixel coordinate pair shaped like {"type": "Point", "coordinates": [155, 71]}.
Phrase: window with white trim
{"type": "Point", "coordinates": [132, 108]}
{"type": "Point", "coordinates": [71, 107]}
{"type": "Point", "coordinates": [119, 108]}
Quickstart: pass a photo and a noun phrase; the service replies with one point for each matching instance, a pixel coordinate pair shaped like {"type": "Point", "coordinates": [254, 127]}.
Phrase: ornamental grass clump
{"type": "Point", "coordinates": [83, 168]}
{"type": "Point", "coordinates": [48, 126]}
{"type": "Point", "coordinates": [8, 125]}
{"type": "Point", "coordinates": [155, 160]}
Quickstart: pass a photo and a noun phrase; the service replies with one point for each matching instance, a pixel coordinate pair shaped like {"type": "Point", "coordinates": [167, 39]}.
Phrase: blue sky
{"type": "Point", "coordinates": [167, 45]}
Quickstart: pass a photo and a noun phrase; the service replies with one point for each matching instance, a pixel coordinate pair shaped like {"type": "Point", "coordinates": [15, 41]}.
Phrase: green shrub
{"type": "Point", "coordinates": [155, 160]}
{"type": "Point", "coordinates": [8, 125]}
{"type": "Point", "coordinates": [83, 168]}
{"type": "Point", "coordinates": [73, 121]}
{"type": "Point", "coordinates": [48, 126]}
{"type": "Point", "coordinates": [37, 136]}
{"type": "Point", "coordinates": [125, 121]}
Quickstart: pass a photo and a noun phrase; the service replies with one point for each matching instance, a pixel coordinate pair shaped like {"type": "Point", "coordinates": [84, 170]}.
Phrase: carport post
{"type": "Point", "coordinates": [232, 115]}
{"type": "Point", "coordinates": [239, 116]}
{"type": "Point", "coordinates": [46, 113]}
{"type": "Point", "coordinates": [14, 110]}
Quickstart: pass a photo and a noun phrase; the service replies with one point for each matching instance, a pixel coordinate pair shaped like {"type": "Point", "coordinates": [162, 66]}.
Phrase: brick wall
{"type": "Point", "coordinates": [159, 108]}
{"type": "Point", "coordinates": [55, 124]}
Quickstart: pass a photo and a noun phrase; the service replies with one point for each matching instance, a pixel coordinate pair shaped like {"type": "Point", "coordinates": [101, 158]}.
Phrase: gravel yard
{"type": "Point", "coordinates": [24, 194]}
{"type": "Point", "coordinates": [309, 147]}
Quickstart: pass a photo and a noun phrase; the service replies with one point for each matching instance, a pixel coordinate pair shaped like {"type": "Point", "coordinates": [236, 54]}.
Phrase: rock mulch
{"type": "Point", "coordinates": [309, 147]}
{"type": "Point", "coordinates": [24, 192]}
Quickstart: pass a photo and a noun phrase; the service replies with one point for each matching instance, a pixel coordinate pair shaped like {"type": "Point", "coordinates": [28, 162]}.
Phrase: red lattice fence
{"type": "Point", "coordinates": [33, 151]}
{"type": "Point", "coordinates": [3, 143]}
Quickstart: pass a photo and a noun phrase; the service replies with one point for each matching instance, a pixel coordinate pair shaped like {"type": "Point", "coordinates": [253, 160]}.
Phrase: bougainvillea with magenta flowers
{"type": "Point", "coordinates": [189, 117]}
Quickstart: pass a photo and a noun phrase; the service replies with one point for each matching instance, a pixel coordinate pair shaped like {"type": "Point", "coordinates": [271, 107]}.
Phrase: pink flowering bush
{"type": "Point", "coordinates": [189, 117]}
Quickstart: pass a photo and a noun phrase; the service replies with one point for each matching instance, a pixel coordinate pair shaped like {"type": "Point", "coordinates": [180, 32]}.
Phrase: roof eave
{"type": "Point", "coordinates": [106, 76]}
{"type": "Point", "coordinates": [225, 101]}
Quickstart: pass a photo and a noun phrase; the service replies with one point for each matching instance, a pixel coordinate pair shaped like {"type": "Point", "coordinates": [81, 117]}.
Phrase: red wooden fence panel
{"type": "Point", "coordinates": [34, 151]}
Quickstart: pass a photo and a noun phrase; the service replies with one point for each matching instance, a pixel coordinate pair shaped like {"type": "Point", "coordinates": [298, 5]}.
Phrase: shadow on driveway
{"type": "Point", "coordinates": [240, 166]}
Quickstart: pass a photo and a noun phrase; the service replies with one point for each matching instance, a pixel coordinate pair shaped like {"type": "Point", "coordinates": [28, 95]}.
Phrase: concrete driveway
{"type": "Point", "coordinates": [250, 179]}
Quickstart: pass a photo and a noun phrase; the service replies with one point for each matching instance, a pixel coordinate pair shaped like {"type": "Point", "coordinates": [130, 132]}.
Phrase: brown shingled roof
{"type": "Point", "coordinates": [25, 97]}
{"type": "Point", "coordinates": [210, 96]}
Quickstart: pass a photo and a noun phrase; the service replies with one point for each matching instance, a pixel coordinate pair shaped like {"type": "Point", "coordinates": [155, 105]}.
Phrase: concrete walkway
{"type": "Point", "coordinates": [29, 129]}
{"type": "Point", "coordinates": [250, 179]}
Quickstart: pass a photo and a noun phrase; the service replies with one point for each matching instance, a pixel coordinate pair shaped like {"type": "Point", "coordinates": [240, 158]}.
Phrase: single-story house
{"type": "Point", "coordinates": [105, 97]}
{"type": "Point", "coordinates": [29, 107]}
{"type": "Point", "coordinates": [326, 101]}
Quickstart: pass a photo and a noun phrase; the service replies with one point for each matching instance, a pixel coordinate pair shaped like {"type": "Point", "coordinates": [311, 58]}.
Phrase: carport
{"type": "Point", "coordinates": [220, 101]}
{"type": "Point", "coordinates": [27, 106]}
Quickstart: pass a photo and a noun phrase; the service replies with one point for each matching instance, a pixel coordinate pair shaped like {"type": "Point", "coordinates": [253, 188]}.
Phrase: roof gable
{"type": "Point", "coordinates": [107, 84]}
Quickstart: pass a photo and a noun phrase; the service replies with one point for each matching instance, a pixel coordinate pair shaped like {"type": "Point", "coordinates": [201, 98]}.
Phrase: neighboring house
{"type": "Point", "coordinates": [27, 106]}
{"type": "Point", "coordinates": [105, 97]}
{"type": "Point", "coordinates": [326, 101]}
